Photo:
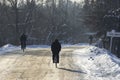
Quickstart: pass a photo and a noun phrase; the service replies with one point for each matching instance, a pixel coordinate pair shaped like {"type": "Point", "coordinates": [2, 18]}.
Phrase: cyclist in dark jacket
{"type": "Point", "coordinates": [55, 48]}
{"type": "Point", "coordinates": [90, 39]}
{"type": "Point", "coordinates": [23, 40]}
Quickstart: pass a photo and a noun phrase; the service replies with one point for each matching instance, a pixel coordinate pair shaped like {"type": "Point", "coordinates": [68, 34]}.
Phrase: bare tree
{"type": "Point", "coordinates": [14, 5]}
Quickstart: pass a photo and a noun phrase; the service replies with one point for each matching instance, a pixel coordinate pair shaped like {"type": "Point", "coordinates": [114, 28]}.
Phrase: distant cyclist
{"type": "Point", "coordinates": [55, 48]}
{"type": "Point", "coordinates": [23, 40]}
{"type": "Point", "coordinates": [90, 39]}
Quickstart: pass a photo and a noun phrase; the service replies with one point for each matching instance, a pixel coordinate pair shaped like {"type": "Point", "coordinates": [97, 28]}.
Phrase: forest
{"type": "Point", "coordinates": [45, 20]}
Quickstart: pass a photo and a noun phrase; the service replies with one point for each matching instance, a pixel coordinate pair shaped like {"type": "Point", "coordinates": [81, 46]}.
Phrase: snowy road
{"type": "Point", "coordinates": [36, 64]}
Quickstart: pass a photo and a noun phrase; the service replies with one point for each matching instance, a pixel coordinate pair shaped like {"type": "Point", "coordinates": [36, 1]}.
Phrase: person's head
{"type": "Point", "coordinates": [23, 33]}
{"type": "Point", "coordinates": [56, 40]}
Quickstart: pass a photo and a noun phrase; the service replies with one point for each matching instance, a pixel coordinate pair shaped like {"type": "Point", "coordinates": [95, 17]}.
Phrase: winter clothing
{"type": "Point", "coordinates": [55, 48]}
{"type": "Point", "coordinates": [23, 39]}
{"type": "Point", "coordinates": [90, 39]}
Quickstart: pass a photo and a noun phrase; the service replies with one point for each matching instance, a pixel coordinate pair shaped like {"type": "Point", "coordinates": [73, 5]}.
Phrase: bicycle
{"type": "Point", "coordinates": [23, 47]}
{"type": "Point", "coordinates": [55, 60]}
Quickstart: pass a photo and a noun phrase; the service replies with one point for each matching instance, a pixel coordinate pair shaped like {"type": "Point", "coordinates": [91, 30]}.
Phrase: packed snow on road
{"type": "Point", "coordinates": [96, 63]}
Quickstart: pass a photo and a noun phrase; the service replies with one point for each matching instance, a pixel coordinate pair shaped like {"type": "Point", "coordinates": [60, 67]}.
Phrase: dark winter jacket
{"type": "Point", "coordinates": [23, 39]}
{"type": "Point", "coordinates": [55, 47]}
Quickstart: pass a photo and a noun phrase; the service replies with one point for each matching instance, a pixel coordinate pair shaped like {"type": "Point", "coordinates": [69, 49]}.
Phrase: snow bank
{"type": "Point", "coordinates": [8, 48]}
{"type": "Point", "coordinates": [75, 45]}
{"type": "Point", "coordinates": [98, 63]}
{"type": "Point", "coordinates": [8, 45]}
{"type": "Point", "coordinates": [38, 46]}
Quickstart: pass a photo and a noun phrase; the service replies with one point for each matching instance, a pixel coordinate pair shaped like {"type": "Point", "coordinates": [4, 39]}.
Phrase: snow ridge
{"type": "Point", "coordinates": [98, 63]}
{"type": "Point", "coordinates": [8, 48]}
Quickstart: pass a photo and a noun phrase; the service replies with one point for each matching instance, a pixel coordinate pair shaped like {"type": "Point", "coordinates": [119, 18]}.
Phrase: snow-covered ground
{"type": "Point", "coordinates": [8, 48]}
{"type": "Point", "coordinates": [97, 63]}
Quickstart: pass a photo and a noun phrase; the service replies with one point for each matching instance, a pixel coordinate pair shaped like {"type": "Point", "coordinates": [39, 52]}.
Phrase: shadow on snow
{"type": "Point", "coordinates": [70, 70]}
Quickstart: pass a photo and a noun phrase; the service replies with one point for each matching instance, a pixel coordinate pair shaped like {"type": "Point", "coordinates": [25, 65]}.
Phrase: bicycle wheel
{"type": "Point", "coordinates": [55, 61]}
{"type": "Point", "coordinates": [56, 65]}
{"type": "Point", "coordinates": [22, 48]}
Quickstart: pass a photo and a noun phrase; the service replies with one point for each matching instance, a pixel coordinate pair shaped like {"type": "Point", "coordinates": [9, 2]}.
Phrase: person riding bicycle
{"type": "Point", "coordinates": [23, 39]}
{"type": "Point", "coordinates": [55, 48]}
{"type": "Point", "coordinates": [90, 39]}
